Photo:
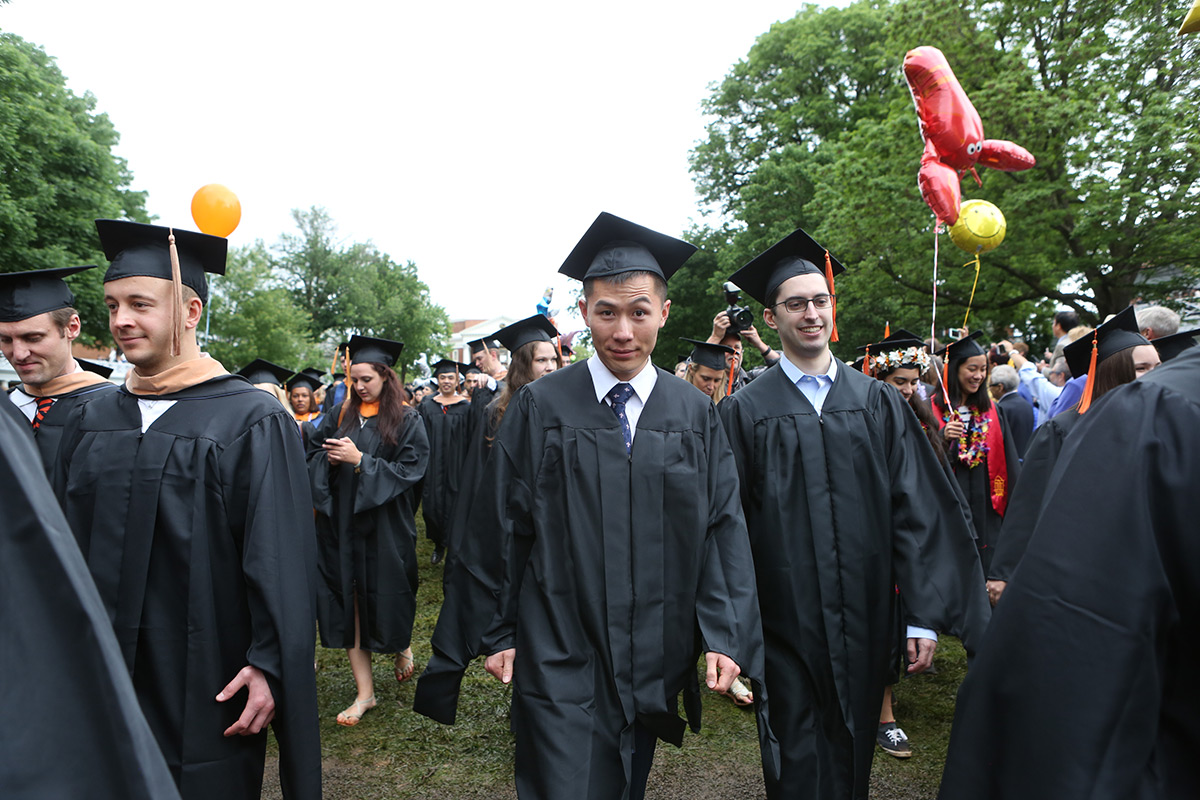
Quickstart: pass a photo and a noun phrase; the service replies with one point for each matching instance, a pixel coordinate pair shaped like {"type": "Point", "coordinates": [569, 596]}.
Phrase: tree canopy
{"type": "Point", "coordinates": [815, 128]}
{"type": "Point", "coordinates": [58, 173]}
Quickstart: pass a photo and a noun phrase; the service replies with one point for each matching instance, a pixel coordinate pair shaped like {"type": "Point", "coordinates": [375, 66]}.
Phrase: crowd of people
{"type": "Point", "coordinates": [800, 533]}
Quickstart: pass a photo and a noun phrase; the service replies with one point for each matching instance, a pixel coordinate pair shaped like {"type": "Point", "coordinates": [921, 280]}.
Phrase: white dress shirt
{"type": "Point", "coordinates": [642, 383]}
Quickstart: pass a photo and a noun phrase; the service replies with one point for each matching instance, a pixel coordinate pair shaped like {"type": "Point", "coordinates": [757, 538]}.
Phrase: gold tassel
{"type": "Point", "coordinates": [176, 296]}
{"type": "Point", "coordinates": [866, 367]}
{"type": "Point", "coordinates": [1085, 402]}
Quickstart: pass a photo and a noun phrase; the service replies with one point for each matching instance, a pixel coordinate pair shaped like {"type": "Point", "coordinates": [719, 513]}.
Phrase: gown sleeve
{"type": "Point", "coordinates": [1085, 686]}
{"type": "Point", "coordinates": [934, 555]}
{"type": "Point", "coordinates": [270, 505]}
{"type": "Point", "coordinates": [381, 480]}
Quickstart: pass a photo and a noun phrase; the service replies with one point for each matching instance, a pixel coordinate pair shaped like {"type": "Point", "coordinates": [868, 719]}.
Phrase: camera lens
{"type": "Point", "coordinates": [743, 318]}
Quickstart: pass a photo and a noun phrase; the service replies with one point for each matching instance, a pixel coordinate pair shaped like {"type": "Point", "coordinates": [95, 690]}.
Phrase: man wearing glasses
{"type": "Point", "coordinates": [844, 501]}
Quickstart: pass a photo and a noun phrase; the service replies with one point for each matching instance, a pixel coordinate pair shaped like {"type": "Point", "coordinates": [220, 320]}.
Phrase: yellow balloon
{"type": "Point", "coordinates": [980, 227]}
{"type": "Point", "coordinates": [1191, 23]}
{"type": "Point", "coordinates": [216, 210]}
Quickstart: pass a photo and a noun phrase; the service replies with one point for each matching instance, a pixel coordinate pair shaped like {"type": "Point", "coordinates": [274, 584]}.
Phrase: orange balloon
{"type": "Point", "coordinates": [216, 210]}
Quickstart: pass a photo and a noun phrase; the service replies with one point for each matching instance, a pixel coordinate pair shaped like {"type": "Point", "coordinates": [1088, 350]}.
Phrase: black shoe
{"type": "Point", "coordinates": [439, 553]}
{"type": "Point", "coordinates": [892, 740]}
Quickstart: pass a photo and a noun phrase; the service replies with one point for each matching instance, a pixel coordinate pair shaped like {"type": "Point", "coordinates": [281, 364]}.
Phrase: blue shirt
{"type": "Point", "coordinates": [814, 387]}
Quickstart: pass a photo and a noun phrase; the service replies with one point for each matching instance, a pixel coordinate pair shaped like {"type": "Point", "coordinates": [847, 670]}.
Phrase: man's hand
{"type": "Point", "coordinates": [500, 665]}
{"type": "Point", "coordinates": [721, 671]}
{"type": "Point", "coordinates": [920, 655]}
{"type": "Point", "coordinates": [995, 589]}
{"type": "Point", "coordinates": [342, 451]}
{"type": "Point", "coordinates": [720, 326]}
{"type": "Point", "coordinates": [260, 705]}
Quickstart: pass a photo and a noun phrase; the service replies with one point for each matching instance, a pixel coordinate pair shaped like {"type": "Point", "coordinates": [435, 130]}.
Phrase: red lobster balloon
{"type": "Point", "coordinates": [953, 134]}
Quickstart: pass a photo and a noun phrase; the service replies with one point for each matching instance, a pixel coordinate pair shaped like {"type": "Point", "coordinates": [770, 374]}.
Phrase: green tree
{"type": "Point", "coordinates": [815, 128]}
{"type": "Point", "coordinates": [254, 316]}
{"type": "Point", "coordinates": [357, 289]}
{"type": "Point", "coordinates": [57, 174]}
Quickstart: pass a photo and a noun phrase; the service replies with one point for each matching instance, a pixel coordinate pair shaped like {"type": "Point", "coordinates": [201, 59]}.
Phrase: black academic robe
{"type": "Point", "coordinates": [842, 507]}
{"type": "Point", "coordinates": [619, 569]}
{"type": "Point", "coordinates": [976, 486]}
{"type": "Point", "coordinates": [480, 431]}
{"type": "Point", "coordinates": [199, 535]}
{"type": "Point", "coordinates": [1085, 686]}
{"type": "Point", "coordinates": [446, 429]}
{"type": "Point", "coordinates": [50, 432]}
{"type": "Point", "coordinates": [366, 534]}
{"type": "Point", "coordinates": [73, 726]}
{"type": "Point", "coordinates": [1025, 503]}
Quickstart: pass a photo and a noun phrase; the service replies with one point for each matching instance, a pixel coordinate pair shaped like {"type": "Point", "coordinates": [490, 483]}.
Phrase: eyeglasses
{"type": "Point", "coordinates": [797, 305]}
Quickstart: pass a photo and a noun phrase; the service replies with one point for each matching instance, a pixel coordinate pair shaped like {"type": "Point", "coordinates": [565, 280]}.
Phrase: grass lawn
{"type": "Point", "coordinates": [396, 753]}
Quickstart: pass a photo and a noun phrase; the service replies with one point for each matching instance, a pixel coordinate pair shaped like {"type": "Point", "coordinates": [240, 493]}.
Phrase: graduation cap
{"type": "Point", "coordinates": [1108, 339]}
{"type": "Point", "coordinates": [262, 371]}
{"type": "Point", "coordinates": [706, 354]}
{"type": "Point", "coordinates": [564, 346]}
{"type": "Point", "coordinates": [795, 254]}
{"type": "Point", "coordinates": [304, 378]}
{"type": "Point", "coordinates": [447, 366]}
{"type": "Point", "coordinates": [531, 329]}
{"type": "Point", "coordinates": [368, 350]}
{"type": "Point", "coordinates": [134, 248]}
{"type": "Point", "coordinates": [39, 291]}
{"type": "Point", "coordinates": [613, 245]}
{"type": "Point", "coordinates": [894, 351]}
{"type": "Point", "coordinates": [964, 348]}
{"type": "Point", "coordinates": [1170, 346]}
{"type": "Point", "coordinates": [479, 345]}
{"type": "Point", "coordinates": [473, 370]}
{"type": "Point", "coordinates": [93, 366]}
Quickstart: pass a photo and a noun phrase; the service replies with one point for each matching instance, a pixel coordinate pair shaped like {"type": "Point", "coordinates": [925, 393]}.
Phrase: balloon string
{"type": "Point", "coordinates": [973, 285]}
{"type": "Point", "coordinates": [933, 321]}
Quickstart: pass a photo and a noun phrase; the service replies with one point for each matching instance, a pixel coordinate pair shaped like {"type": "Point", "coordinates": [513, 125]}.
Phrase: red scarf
{"type": "Point", "coordinates": [997, 461]}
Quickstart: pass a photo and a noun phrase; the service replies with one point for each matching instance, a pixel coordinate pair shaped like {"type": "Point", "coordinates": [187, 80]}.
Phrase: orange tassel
{"type": "Point", "coordinates": [887, 329]}
{"type": "Point", "coordinates": [1085, 402]}
{"type": "Point", "coordinates": [866, 368]}
{"type": "Point", "coordinates": [729, 390]}
{"type": "Point", "coordinates": [829, 279]}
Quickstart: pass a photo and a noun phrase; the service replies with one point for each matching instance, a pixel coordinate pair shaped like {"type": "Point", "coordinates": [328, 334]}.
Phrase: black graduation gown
{"type": "Point", "coordinates": [1025, 503]}
{"type": "Point", "coordinates": [366, 535]}
{"type": "Point", "coordinates": [976, 485]}
{"type": "Point", "coordinates": [619, 569]}
{"type": "Point", "coordinates": [1018, 414]}
{"type": "Point", "coordinates": [64, 689]}
{"type": "Point", "coordinates": [50, 432]}
{"type": "Point", "coordinates": [199, 535]}
{"type": "Point", "coordinates": [842, 507]}
{"type": "Point", "coordinates": [1085, 686]}
{"type": "Point", "coordinates": [446, 429]}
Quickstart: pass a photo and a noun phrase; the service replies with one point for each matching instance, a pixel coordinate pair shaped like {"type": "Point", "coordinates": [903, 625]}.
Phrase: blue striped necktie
{"type": "Point", "coordinates": [619, 396]}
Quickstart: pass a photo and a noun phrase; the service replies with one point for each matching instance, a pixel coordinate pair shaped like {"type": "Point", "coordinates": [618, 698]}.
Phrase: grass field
{"type": "Point", "coordinates": [396, 753]}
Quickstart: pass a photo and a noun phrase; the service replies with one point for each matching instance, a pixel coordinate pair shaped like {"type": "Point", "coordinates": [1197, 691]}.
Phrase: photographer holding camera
{"type": "Point", "coordinates": [730, 327]}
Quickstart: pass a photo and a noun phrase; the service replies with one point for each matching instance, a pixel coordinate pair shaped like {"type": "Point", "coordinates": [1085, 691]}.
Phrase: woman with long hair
{"type": "Point", "coordinates": [533, 343]}
{"type": "Point", "coordinates": [1122, 355]}
{"type": "Point", "coordinates": [364, 457]}
{"type": "Point", "coordinates": [446, 415]}
{"type": "Point", "coordinates": [979, 445]}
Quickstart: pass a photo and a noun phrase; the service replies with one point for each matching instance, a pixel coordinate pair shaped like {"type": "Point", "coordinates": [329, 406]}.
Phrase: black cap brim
{"type": "Point", "coordinates": [136, 249]}
{"type": "Point", "coordinates": [795, 254]}
{"type": "Point", "coordinates": [369, 350]}
{"type": "Point", "coordinates": [964, 348]}
{"type": "Point", "coordinates": [612, 246]}
{"type": "Point", "coordinates": [1170, 346]}
{"type": "Point", "coordinates": [262, 371]}
{"type": "Point", "coordinates": [33, 292]}
{"type": "Point", "coordinates": [303, 379]}
{"type": "Point", "coordinates": [1119, 333]}
{"type": "Point", "coordinates": [531, 329]}
{"type": "Point", "coordinates": [706, 354]}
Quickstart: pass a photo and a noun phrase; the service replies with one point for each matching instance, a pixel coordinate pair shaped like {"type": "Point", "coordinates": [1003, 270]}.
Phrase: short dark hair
{"type": "Point", "coordinates": [622, 278]}
{"type": "Point", "coordinates": [773, 297]}
{"type": "Point", "coordinates": [1066, 320]}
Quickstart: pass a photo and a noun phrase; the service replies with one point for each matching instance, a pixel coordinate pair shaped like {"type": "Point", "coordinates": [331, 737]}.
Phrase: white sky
{"type": "Point", "coordinates": [476, 139]}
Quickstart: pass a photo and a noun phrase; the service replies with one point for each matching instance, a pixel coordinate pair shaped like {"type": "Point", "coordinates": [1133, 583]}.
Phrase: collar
{"type": "Point", "coordinates": [794, 373]}
{"type": "Point", "coordinates": [603, 381]}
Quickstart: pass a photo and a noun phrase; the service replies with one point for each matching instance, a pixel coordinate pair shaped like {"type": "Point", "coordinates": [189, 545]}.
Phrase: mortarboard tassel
{"type": "Point", "coordinates": [833, 337]}
{"type": "Point", "coordinates": [887, 329]}
{"type": "Point", "coordinates": [946, 378]}
{"type": "Point", "coordinates": [866, 367]}
{"type": "Point", "coordinates": [1085, 402]}
{"type": "Point", "coordinates": [176, 296]}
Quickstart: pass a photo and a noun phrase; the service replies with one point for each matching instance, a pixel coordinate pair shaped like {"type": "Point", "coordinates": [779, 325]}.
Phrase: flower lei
{"type": "Point", "coordinates": [972, 447]}
{"type": "Point", "coordinates": [894, 359]}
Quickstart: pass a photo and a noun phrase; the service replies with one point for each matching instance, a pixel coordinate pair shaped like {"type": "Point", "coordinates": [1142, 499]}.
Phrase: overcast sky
{"type": "Point", "coordinates": [477, 139]}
